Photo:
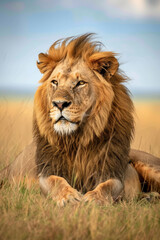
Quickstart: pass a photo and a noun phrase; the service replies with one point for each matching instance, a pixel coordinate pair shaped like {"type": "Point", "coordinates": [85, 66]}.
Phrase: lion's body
{"type": "Point", "coordinates": [83, 124]}
{"type": "Point", "coordinates": [97, 148]}
{"type": "Point", "coordinates": [142, 174]}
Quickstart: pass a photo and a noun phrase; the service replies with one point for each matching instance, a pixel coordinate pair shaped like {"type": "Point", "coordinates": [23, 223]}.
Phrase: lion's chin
{"type": "Point", "coordinates": [63, 127]}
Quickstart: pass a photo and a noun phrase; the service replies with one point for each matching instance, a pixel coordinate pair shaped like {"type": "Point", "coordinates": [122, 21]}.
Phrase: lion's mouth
{"type": "Point", "coordinates": [62, 118]}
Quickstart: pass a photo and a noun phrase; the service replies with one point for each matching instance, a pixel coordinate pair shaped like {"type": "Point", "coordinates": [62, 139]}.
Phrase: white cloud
{"type": "Point", "coordinates": [134, 8]}
{"type": "Point", "coordinates": [112, 8]}
{"type": "Point", "coordinates": [130, 9]}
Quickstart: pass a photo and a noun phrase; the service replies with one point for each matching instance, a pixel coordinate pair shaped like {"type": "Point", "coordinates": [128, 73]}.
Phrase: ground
{"type": "Point", "coordinates": [26, 214]}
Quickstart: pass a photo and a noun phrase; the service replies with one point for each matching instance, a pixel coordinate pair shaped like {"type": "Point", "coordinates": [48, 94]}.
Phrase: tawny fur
{"type": "Point", "coordinates": [148, 168]}
{"type": "Point", "coordinates": [90, 153]}
{"type": "Point", "coordinates": [99, 149]}
{"type": "Point", "coordinates": [59, 190]}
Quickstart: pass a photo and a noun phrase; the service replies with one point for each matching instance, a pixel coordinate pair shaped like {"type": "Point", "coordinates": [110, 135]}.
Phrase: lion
{"type": "Point", "coordinates": [83, 125]}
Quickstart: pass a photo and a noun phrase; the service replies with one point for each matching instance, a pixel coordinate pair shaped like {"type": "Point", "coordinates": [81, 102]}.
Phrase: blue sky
{"type": "Point", "coordinates": [128, 27]}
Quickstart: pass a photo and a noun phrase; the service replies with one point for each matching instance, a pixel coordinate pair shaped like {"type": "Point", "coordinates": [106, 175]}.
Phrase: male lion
{"type": "Point", "coordinates": [83, 125]}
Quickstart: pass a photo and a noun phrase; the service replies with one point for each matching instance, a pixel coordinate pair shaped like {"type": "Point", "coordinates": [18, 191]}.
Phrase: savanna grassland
{"type": "Point", "coordinates": [26, 214]}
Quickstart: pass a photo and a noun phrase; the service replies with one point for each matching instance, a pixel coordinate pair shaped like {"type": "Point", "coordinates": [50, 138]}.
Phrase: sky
{"type": "Point", "coordinates": [130, 28]}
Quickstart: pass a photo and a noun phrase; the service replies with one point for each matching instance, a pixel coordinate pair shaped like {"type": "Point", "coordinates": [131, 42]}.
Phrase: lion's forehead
{"type": "Point", "coordinates": [73, 72]}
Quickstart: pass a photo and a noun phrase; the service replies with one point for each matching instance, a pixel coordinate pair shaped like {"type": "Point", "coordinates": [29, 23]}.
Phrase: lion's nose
{"type": "Point", "coordinates": [61, 105]}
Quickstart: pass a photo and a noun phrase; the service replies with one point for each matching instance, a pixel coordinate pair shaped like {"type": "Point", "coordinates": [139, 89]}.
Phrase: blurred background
{"type": "Point", "coordinates": [28, 27]}
{"type": "Point", "coordinates": [128, 27]}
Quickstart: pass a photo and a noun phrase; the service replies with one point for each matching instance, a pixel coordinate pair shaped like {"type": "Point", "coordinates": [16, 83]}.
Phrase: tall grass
{"type": "Point", "coordinates": [26, 214]}
{"type": "Point", "coordinates": [15, 128]}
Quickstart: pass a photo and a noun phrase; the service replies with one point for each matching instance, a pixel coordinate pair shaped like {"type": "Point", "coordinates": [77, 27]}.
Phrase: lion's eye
{"type": "Point", "coordinates": [80, 83]}
{"type": "Point", "coordinates": [54, 82]}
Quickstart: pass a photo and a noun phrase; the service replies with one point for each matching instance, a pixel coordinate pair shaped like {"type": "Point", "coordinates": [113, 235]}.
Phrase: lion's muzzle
{"type": "Point", "coordinates": [62, 122]}
{"type": "Point", "coordinates": [61, 105]}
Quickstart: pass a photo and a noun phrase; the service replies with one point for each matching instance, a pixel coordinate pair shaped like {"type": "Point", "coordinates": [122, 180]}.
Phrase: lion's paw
{"type": "Point", "coordinates": [95, 196]}
{"type": "Point", "coordinates": [67, 195]}
{"type": "Point", "coordinates": [151, 197]}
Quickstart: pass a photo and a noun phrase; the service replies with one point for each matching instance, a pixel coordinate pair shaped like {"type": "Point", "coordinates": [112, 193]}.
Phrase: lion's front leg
{"type": "Point", "coordinates": [59, 189]}
{"type": "Point", "coordinates": [106, 192]}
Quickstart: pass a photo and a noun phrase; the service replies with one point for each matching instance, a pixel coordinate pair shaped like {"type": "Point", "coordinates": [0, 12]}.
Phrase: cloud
{"type": "Point", "coordinates": [141, 9]}
{"type": "Point", "coordinates": [124, 9]}
{"type": "Point", "coordinates": [137, 9]}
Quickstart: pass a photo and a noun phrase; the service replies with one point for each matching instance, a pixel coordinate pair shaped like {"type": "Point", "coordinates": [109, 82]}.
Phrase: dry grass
{"type": "Point", "coordinates": [25, 214]}
{"type": "Point", "coordinates": [147, 133]}
{"type": "Point", "coordinates": [16, 128]}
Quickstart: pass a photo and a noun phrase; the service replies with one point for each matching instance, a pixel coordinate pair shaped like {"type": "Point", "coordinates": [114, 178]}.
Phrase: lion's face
{"type": "Point", "coordinates": [72, 95]}
{"type": "Point", "coordinates": [76, 91]}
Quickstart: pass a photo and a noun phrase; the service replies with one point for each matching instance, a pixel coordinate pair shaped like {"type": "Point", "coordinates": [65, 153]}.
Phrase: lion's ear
{"type": "Point", "coordinates": [105, 63]}
{"type": "Point", "coordinates": [45, 63]}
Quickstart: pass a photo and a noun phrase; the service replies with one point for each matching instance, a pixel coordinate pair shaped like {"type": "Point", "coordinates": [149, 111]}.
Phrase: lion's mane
{"type": "Point", "coordinates": [99, 149]}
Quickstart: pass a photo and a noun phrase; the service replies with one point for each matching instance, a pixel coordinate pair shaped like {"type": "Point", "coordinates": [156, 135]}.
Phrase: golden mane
{"type": "Point", "coordinates": [73, 49]}
{"type": "Point", "coordinates": [109, 127]}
